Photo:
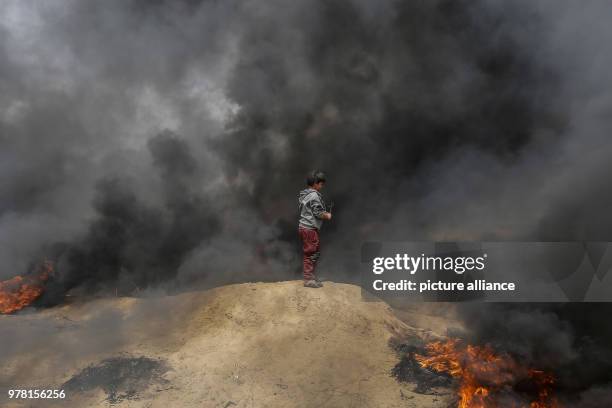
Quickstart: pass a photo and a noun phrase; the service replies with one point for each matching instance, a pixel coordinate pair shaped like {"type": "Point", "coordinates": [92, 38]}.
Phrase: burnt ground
{"type": "Point", "coordinates": [119, 377]}
{"type": "Point", "coordinates": [520, 393]}
{"type": "Point", "coordinates": [408, 370]}
{"type": "Point", "coordinates": [245, 345]}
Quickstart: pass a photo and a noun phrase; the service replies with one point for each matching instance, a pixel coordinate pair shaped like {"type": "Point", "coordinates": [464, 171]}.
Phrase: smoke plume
{"type": "Point", "coordinates": [164, 142]}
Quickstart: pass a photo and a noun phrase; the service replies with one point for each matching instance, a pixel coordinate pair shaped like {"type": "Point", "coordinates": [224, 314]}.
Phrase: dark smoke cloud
{"type": "Point", "coordinates": [378, 100]}
{"type": "Point", "coordinates": [134, 243]}
{"type": "Point", "coordinates": [163, 142]}
{"type": "Point", "coordinates": [431, 118]}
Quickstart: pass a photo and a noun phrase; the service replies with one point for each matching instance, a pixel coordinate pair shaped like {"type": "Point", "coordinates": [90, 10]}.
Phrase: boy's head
{"type": "Point", "coordinates": [316, 180]}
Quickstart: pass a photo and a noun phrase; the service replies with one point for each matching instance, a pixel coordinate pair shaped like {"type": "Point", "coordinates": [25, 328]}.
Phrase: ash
{"type": "Point", "coordinates": [410, 371]}
{"type": "Point", "coordinates": [119, 377]}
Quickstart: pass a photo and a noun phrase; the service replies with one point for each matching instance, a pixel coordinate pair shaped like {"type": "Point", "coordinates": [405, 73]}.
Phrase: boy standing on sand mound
{"type": "Point", "coordinates": [312, 213]}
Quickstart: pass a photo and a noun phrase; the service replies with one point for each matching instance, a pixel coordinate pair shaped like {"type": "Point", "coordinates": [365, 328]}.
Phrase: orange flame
{"type": "Point", "coordinates": [484, 374]}
{"type": "Point", "coordinates": [20, 291]}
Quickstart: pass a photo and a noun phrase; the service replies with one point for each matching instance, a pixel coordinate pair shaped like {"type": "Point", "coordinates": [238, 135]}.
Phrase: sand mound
{"type": "Point", "coordinates": [245, 345]}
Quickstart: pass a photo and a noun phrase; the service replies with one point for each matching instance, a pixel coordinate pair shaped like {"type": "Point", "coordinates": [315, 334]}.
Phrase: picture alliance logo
{"type": "Point", "coordinates": [413, 264]}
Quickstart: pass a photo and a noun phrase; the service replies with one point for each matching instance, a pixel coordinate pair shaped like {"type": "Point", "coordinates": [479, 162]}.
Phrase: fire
{"type": "Point", "coordinates": [485, 377]}
{"type": "Point", "coordinates": [544, 381]}
{"type": "Point", "coordinates": [20, 291]}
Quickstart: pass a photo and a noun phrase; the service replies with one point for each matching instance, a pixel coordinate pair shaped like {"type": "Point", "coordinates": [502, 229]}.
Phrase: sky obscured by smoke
{"type": "Point", "coordinates": [148, 142]}
{"type": "Point", "coordinates": [174, 135]}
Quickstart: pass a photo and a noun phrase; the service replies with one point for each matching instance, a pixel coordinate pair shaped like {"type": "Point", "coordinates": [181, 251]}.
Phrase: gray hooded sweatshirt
{"type": "Point", "coordinates": [311, 207]}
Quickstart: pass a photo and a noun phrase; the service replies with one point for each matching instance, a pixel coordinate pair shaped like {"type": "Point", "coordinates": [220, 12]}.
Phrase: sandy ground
{"type": "Point", "coordinates": [244, 345]}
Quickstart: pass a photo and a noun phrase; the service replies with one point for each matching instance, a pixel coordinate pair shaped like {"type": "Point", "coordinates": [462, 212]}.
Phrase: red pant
{"type": "Point", "coordinates": [310, 247]}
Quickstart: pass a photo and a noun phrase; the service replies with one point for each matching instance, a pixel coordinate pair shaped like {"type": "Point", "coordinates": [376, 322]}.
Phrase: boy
{"type": "Point", "coordinates": [312, 213]}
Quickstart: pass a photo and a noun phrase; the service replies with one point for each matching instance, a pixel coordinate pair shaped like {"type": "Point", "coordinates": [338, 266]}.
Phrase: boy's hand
{"type": "Point", "coordinates": [326, 216]}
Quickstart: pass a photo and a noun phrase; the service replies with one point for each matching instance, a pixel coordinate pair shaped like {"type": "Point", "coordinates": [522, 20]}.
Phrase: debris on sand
{"type": "Point", "coordinates": [119, 377]}
{"type": "Point", "coordinates": [408, 370]}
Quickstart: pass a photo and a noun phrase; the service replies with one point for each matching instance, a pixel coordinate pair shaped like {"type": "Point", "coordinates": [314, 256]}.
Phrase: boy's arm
{"type": "Point", "coordinates": [318, 210]}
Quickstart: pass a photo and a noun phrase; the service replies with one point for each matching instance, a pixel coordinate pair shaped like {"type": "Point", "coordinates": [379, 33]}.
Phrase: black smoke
{"type": "Point", "coordinates": [381, 99]}
{"type": "Point", "coordinates": [160, 130]}
{"type": "Point", "coordinates": [132, 242]}
{"type": "Point", "coordinates": [149, 143]}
